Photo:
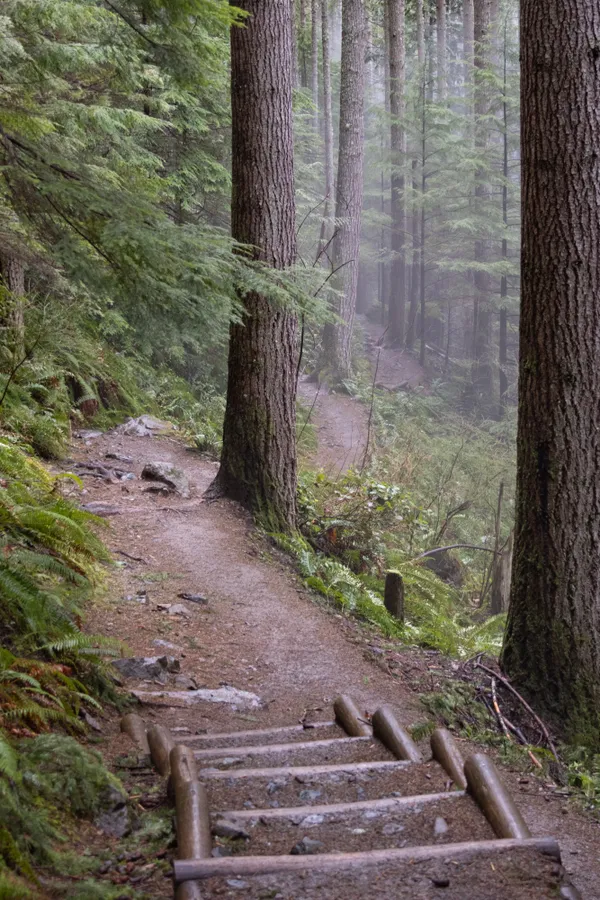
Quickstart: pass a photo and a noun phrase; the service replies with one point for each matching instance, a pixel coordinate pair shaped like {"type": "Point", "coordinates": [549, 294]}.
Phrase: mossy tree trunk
{"type": "Point", "coordinates": [552, 644]}
{"type": "Point", "coordinates": [337, 336]}
{"type": "Point", "coordinates": [258, 461]}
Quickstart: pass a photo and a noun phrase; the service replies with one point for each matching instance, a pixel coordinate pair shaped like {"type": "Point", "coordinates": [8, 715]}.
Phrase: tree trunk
{"type": "Point", "coordinates": [501, 575]}
{"type": "Point", "coordinates": [482, 370]}
{"type": "Point", "coordinates": [12, 273]}
{"type": "Point", "coordinates": [258, 461]}
{"type": "Point", "coordinates": [314, 58]}
{"type": "Point", "coordinates": [337, 337]}
{"type": "Point", "coordinates": [552, 643]}
{"type": "Point", "coordinates": [326, 228]}
{"type": "Point", "coordinates": [302, 44]}
{"type": "Point", "coordinates": [468, 43]}
{"type": "Point", "coordinates": [441, 50]}
{"type": "Point", "coordinates": [420, 33]}
{"type": "Point", "coordinates": [397, 145]}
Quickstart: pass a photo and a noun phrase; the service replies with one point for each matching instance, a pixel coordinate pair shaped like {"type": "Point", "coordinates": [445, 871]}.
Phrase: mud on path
{"type": "Point", "coordinates": [259, 631]}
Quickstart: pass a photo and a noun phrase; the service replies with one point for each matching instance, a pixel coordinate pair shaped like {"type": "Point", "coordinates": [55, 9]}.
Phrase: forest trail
{"type": "Point", "coordinates": [342, 422]}
{"type": "Point", "coordinates": [259, 630]}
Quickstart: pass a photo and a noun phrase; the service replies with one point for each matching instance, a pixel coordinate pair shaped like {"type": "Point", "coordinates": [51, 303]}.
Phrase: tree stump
{"type": "Point", "coordinates": [393, 597]}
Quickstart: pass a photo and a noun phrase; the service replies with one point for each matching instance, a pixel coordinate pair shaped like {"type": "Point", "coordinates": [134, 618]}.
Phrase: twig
{"type": "Point", "coordinates": [524, 702]}
{"type": "Point", "coordinates": [28, 355]}
{"type": "Point", "coordinates": [453, 547]}
{"type": "Point", "coordinates": [129, 556]}
{"type": "Point", "coordinates": [498, 713]}
{"type": "Point", "coordinates": [370, 413]}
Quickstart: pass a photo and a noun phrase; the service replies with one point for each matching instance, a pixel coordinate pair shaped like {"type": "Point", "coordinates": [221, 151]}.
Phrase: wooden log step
{"type": "Point", "coordinates": [383, 804]}
{"type": "Point", "coordinates": [325, 785]}
{"type": "Point", "coordinates": [307, 772]}
{"type": "Point", "coordinates": [411, 822]}
{"type": "Point", "coordinates": [263, 735]}
{"type": "Point", "coordinates": [299, 753]}
{"type": "Point", "coordinates": [239, 866]}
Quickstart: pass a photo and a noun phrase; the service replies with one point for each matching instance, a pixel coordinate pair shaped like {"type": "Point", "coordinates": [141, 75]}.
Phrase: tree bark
{"type": "Point", "coordinates": [314, 58]}
{"type": "Point", "coordinates": [337, 337]}
{"type": "Point", "coordinates": [482, 370]}
{"type": "Point", "coordinates": [468, 44]}
{"type": "Point", "coordinates": [441, 50]}
{"type": "Point", "coordinates": [397, 312]}
{"type": "Point", "coordinates": [258, 461]}
{"type": "Point", "coordinates": [420, 33]}
{"type": "Point", "coordinates": [302, 42]}
{"type": "Point", "coordinates": [552, 644]}
{"type": "Point", "coordinates": [12, 273]}
{"type": "Point", "coordinates": [326, 228]}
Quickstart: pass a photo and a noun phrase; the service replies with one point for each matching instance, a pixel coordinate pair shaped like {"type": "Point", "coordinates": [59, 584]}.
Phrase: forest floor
{"type": "Point", "coordinates": [260, 630]}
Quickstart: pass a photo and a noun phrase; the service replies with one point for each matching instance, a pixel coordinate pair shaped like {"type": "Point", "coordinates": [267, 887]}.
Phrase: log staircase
{"type": "Point", "coordinates": [348, 809]}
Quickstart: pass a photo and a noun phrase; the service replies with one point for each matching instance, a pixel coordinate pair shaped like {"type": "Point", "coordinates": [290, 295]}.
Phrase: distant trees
{"type": "Point", "coordinates": [552, 645]}
{"type": "Point", "coordinates": [258, 460]}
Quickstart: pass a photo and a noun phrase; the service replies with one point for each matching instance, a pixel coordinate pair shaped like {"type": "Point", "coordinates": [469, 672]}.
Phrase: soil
{"type": "Point", "coordinates": [260, 631]}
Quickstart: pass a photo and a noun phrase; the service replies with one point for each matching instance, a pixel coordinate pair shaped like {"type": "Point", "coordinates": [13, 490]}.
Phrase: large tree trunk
{"type": "Point", "coordinates": [397, 144]}
{"type": "Point", "coordinates": [258, 462]}
{"type": "Point", "coordinates": [552, 644]}
{"type": "Point", "coordinates": [302, 42]}
{"type": "Point", "coordinates": [337, 337]}
{"type": "Point", "coordinates": [326, 229]}
{"type": "Point", "coordinates": [314, 58]}
{"type": "Point", "coordinates": [12, 274]}
{"type": "Point", "coordinates": [468, 43]}
{"type": "Point", "coordinates": [416, 265]}
{"type": "Point", "coordinates": [441, 50]}
{"type": "Point", "coordinates": [482, 370]}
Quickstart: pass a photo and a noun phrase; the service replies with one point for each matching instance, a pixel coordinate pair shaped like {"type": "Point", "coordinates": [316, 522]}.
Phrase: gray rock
{"type": "Point", "coordinates": [309, 796]}
{"type": "Point", "coordinates": [143, 426]}
{"type": "Point", "coordinates": [93, 723]}
{"type": "Point", "coordinates": [99, 508]}
{"type": "Point", "coordinates": [178, 609]}
{"type": "Point", "coordinates": [166, 644]}
{"type": "Point", "coordinates": [194, 598]}
{"type": "Point", "coordinates": [115, 818]}
{"type": "Point", "coordinates": [392, 828]}
{"type": "Point", "coordinates": [312, 821]}
{"type": "Point", "coordinates": [173, 478]}
{"type": "Point", "coordinates": [238, 699]}
{"type": "Point", "coordinates": [440, 827]}
{"type": "Point", "coordinates": [307, 847]}
{"type": "Point", "coordinates": [274, 786]}
{"type": "Point", "coordinates": [185, 683]}
{"type": "Point", "coordinates": [220, 852]}
{"type": "Point", "coordinates": [229, 828]}
{"type": "Point", "coordinates": [142, 667]}
{"type": "Point", "coordinates": [238, 884]}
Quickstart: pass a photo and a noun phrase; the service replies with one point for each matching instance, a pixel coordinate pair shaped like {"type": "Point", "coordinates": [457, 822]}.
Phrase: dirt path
{"type": "Point", "coordinates": [260, 631]}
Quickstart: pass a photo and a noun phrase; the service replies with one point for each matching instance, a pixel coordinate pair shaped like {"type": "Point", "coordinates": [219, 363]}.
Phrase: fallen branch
{"type": "Point", "coordinates": [496, 706]}
{"type": "Point", "coordinates": [524, 703]}
{"type": "Point", "coordinates": [453, 547]}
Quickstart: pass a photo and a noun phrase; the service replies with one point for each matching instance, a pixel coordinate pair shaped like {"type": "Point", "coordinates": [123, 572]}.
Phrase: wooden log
{"type": "Point", "coordinates": [191, 815]}
{"type": "Point", "coordinates": [161, 743]}
{"type": "Point", "coordinates": [497, 805]}
{"type": "Point", "coordinates": [348, 715]}
{"type": "Point", "coordinates": [135, 727]}
{"type": "Point", "coordinates": [446, 752]}
{"type": "Point", "coordinates": [398, 741]}
{"type": "Point", "coordinates": [391, 804]}
{"type": "Point", "coordinates": [258, 733]}
{"type": "Point", "coordinates": [291, 747]}
{"type": "Point", "coordinates": [233, 867]}
{"type": "Point", "coordinates": [393, 596]}
{"type": "Point", "coordinates": [308, 771]}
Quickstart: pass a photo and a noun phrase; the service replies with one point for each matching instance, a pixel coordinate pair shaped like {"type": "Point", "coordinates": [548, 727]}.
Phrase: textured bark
{"type": "Point", "coordinates": [468, 42]}
{"type": "Point", "coordinates": [337, 337]}
{"type": "Point", "coordinates": [302, 44]}
{"type": "Point", "coordinates": [258, 462]}
{"type": "Point", "coordinates": [397, 313]}
{"type": "Point", "coordinates": [482, 371]}
{"type": "Point", "coordinates": [441, 49]}
{"type": "Point", "coordinates": [552, 644]}
{"type": "Point", "coordinates": [420, 32]}
{"type": "Point", "coordinates": [12, 274]}
{"type": "Point", "coordinates": [314, 57]}
{"type": "Point", "coordinates": [326, 228]}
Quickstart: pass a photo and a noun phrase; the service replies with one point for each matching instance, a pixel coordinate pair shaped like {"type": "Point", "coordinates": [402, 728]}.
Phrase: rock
{"type": "Point", "coordinates": [392, 828]}
{"type": "Point", "coordinates": [440, 827]}
{"type": "Point", "coordinates": [128, 460]}
{"type": "Point", "coordinates": [274, 786]}
{"type": "Point", "coordinates": [229, 828]}
{"type": "Point", "coordinates": [185, 683]}
{"type": "Point", "coordinates": [158, 642]}
{"type": "Point", "coordinates": [100, 508]}
{"type": "Point", "coordinates": [237, 883]}
{"type": "Point", "coordinates": [312, 821]}
{"type": "Point", "coordinates": [143, 426]}
{"type": "Point", "coordinates": [87, 435]}
{"type": "Point", "coordinates": [230, 695]}
{"type": "Point", "coordinates": [220, 852]}
{"type": "Point", "coordinates": [115, 819]}
{"type": "Point", "coordinates": [307, 847]}
{"type": "Point", "coordinates": [141, 667]}
{"type": "Point", "coordinates": [178, 609]}
{"type": "Point", "coordinates": [173, 478]}
{"type": "Point", "coordinates": [93, 723]}
{"type": "Point", "coordinates": [441, 882]}
{"type": "Point", "coordinates": [193, 598]}
{"type": "Point", "coordinates": [308, 796]}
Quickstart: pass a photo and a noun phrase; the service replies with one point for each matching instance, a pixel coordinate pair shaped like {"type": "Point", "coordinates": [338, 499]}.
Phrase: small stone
{"type": "Point", "coordinates": [274, 786]}
{"type": "Point", "coordinates": [178, 609]}
{"type": "Point", "coordinates": [237, 883]}
{"type": "Point", "coordinates": [440, 827]}
{"type": "Point", "coordinates": [221, 852]}
{"type": "Point", "coordinates": [143, 667]}
{"type": "Point", "coordinates": [307, 847]}
{"type": "Point", "coordinates": [249, 805]}
{"type": "Point", "coordinates": [392, 828]}
{"type": "Point", "coordinates": [358, 831]}
{"type": "Point", "coordinates": [309, 796]}
{"type": "Point", "coordinates": [229, 828]}
{"type": "Point", "coordinates": [441, 882]}
{"type": "Point", "coordinates": [99, 508]}
{"type": "Point", "coordinates": [93, 723]}
{"type": "Point", "coordinates": [185, 682]}
{"type": "Point", "coordinates": [193, 598]}
{"type": "Point", "coordinates": [312, 821]}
